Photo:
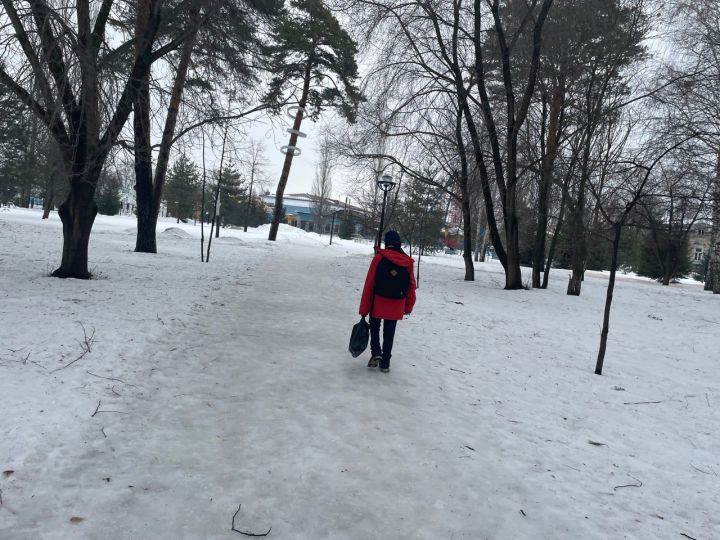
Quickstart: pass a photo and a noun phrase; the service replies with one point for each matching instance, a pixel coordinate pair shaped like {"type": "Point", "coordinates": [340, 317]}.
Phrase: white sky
{"type": "Point", "coordinates": [274, 137]}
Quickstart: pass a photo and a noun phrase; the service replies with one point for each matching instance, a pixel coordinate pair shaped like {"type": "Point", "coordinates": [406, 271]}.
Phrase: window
{"type": "Point", "coordinates": [698, 254]}
{"type": "Point", "coordinates": [701, 232]}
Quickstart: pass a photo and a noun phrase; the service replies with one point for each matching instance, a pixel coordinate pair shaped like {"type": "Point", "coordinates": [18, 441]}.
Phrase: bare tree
{"type": "Point", "coordinates": [219, 46]}
{"type": "Point", "coordinates": [322, 186]}
{"type": "Point", "coordinates": [81, 101]}
{"type": "Point", "coordinates": [413, 103]}
{"type": "Point", "coordinates": [697, 46]}
{"type": "Point", "coordinates": [628, 173]}
{"type": "Point", "coordinates": [256, 164]}
{"type": "Point", "coordinates": [674, 203]}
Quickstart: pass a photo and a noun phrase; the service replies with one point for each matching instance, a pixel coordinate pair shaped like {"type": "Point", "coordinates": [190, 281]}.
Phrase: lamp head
{"type": "Point", "coordinates": [386, 183]}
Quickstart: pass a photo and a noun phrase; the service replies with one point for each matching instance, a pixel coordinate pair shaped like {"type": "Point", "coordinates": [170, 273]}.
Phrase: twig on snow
{"type": "Point", "coordinates": [244, 532]}
{"type": "Point", "coordinates": [38, 364]}
{"type": "Point", "coordinates": [87, 341]}
{"type": "Point", "coordinates": [98, 411]}
{"type": "Point", "coordinates": [96, 408]}
{"type": "Point", "coordinates": [108, 378]}
{"type": "Point", "coordinates": [639, 483]}
{"type": "Point", "coordinates": [650, 402]}
{"type": "Point", "coordinates": [71, 363]}
{"type": "Point", "coordinates": [85, 346]}
{"type": "Point", "coordinates": [704, 472]}
{"type": "Point", "coordinates": [26, 359]}
{"type": "Point", "coordinates": [688, 536]}
{"type": "Point", "coordinates": [114, 392]}
{"type": "Point", "coordinates": [102, 430]}
{"type": "Point", "coordinates": [458, 370]}
{"type": "Point", "coordinates": [707, 398]}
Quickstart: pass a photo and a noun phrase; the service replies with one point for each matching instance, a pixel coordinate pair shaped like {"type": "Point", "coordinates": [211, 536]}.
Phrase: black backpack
{"type": "Point", "coordinates": [391, 280]}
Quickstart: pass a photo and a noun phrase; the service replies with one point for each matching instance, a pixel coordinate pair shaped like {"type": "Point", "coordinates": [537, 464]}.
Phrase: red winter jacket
{"type": "Point", "coordinates": [388, 308]}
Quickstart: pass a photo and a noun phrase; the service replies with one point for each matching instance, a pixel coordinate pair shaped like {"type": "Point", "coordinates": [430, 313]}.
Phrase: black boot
{"type": "Point", "coordinates": [375, 359]}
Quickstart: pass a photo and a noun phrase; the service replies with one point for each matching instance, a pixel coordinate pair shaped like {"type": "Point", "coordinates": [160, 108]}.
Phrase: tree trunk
{"type": "Point", "coordinates": [480, 238]}
{"type": "Point", "coordinates": [49, 194]}
{"type": "Point", "coordinates": [417, 278]}
{"type": "Point", "coordinates": [77, 214]}
{"type": "Point", "coordinates": [467, 238]}
{"type": "Point", "coordinates": [541, 232]}
{"type": "Point", "coordinates": [250, 198]}
{"type": "Point", "coordinates": [579, 243]}
{"type": "Point", "coordinates": [465, 201]}
{"type": "Point", "coordinates": [608, 301]}
{"type": "Point", "coordinates": [277, 211]}
{"type": "Point", "coordinates": [146, 241]}
{"type": "Point", "coordinates": [578, 253]}
{"type": "Point", "coordinates": [553, 244]}
{"type": "Point", "coordinates": [666, 279]}
{"type": "Point", "coordinates": [216, 215]}
{"type": "Point", "coordinates": [495, 237]}
{"type": "Point", "coordinates": [513, 274]}
{"type": "Point", "coordinates": [712, 279]}
{"type": "Point", "coordinates": [545, 188]}
{"type": "Point", "coordinates": [146, 215]}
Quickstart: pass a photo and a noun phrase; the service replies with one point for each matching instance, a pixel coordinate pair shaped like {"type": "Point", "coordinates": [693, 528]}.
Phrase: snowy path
{"type": "Point", "coordinates": [260, 405]}
{"type": "Point", "coordinates": [307, 440]}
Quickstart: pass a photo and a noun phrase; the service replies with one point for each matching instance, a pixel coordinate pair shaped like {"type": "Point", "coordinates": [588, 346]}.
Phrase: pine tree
{"type": "Point", "coordinates": [107, 195]}
{"type": "Point", "coordinates": [233, 196]}
{"type": "Point", "coordinates": [652, 253]}
{"type": "Point", "coordinates": [182, 189]}
{"type": "Point", "coordinates": [347, 226]}
{"type": "Point", "coordinates": [314, 56]}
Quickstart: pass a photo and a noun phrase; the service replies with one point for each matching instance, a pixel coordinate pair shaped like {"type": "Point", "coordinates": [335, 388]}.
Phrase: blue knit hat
{"type": "Point", "coordinates": [392, 238]}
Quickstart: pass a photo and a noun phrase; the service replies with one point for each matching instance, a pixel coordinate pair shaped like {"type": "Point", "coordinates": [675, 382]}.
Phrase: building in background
{"type": "Point", "coordinates": [699, 245]}
{"type": "Point", "coordinates": [298, 212]}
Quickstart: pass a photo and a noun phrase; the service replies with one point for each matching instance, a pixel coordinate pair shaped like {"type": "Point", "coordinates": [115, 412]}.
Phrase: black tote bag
{"type": "Point", "coordinates": [359, 338]}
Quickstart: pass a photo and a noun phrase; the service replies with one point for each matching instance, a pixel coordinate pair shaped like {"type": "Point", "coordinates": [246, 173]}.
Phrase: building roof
{"type": "Point", "coordinates": [306, 200]}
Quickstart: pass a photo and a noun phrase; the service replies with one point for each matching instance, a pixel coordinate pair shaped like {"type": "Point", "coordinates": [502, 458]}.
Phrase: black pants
{"type": "Point", "coordinates": [385, 351]}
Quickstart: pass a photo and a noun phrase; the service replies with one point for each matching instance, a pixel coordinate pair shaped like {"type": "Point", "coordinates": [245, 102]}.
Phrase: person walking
{"type": "Point", "coordinates": [388, 294]}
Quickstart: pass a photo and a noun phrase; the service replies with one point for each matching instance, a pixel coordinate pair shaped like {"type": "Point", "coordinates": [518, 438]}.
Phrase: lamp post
{"type": "Point", "coordinates": [386, 184]}
{"type": "Point", "coordinates": [332, 225]}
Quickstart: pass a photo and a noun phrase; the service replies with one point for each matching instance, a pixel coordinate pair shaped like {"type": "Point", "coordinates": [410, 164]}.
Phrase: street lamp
{"type": "Point", "coordinates": [385, 182]}
{"type": "Point", "coordinates": [332, 226]}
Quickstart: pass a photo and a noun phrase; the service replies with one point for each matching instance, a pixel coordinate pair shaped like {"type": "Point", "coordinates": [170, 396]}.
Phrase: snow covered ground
{"type": "Point", "coordinates": [212, 386]}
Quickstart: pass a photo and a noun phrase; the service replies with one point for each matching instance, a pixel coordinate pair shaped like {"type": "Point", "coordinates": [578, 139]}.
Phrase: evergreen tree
{"type": "Point", "coordinates": [107, 195]}
{"type": "Point", "coordinates": [233, 196]}
{"type": "Point", "coordinates": [313, 57]}
{"type": "Point", "coordinates": [257, 212]}
{"type": "Point", "coordinates": [661, 249]}
{"type": "Point", "coordinates": [24, 163]}
{"type": "Point", "coordinates": [182, 191]}
{"type": "Point", "coordinates": [419, 214]}
{"type": "Point", "coordinates": [347, 226]}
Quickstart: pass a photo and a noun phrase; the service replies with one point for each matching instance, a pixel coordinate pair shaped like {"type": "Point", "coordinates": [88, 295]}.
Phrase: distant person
{"type": "Point", "coordinates": [390, 290]}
